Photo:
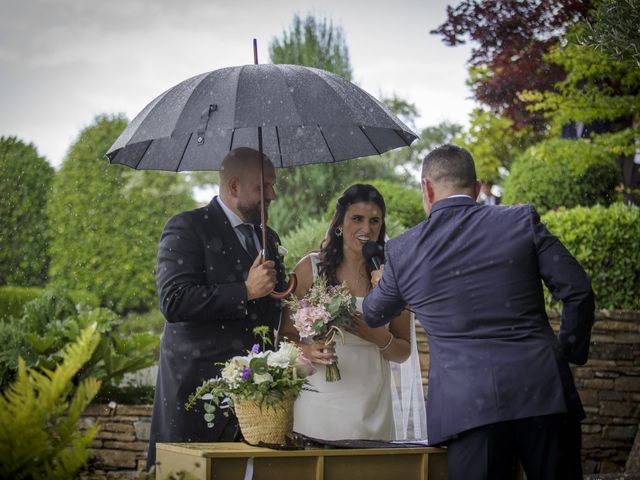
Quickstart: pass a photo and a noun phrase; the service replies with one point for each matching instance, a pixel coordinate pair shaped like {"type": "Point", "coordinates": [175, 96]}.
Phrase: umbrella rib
{"type": "Point", "coordinates": [143, 154]}
{"type": "Point", "coordinates": [327, 143]}
{"type": "Point", "coordinates": [372, 144]}
{"type": "Point", "coordinates": [279, 147]}
{"type": "Point", "coordinates": [183, 152]}
{"type": "Point", "coordinates": [402, 138]}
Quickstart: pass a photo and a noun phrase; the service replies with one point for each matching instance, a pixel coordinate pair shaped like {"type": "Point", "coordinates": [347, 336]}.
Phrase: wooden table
{"type": "Point", "coordinates": [228, 461]}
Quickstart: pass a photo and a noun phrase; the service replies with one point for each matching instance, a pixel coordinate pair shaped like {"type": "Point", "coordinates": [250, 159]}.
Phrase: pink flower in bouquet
{"type": "Point", "coordinates": [305, 318]}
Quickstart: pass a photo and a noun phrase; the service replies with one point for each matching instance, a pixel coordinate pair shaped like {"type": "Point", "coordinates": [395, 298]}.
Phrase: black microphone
{"type": "Point", "coordinates": [373, 252]}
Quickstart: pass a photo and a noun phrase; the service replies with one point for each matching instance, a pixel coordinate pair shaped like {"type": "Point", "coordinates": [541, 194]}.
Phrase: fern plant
{"type": "Point", "coordinates": [39, 412]}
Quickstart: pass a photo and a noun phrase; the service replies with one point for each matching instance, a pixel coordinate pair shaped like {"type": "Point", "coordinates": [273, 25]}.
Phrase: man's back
{"type": "Point", "coordinates": [473, 275]}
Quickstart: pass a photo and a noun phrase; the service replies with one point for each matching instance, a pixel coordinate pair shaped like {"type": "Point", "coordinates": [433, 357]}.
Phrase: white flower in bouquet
{"type": "Point", "coordinates": [278, 359]}
{"type": "Point", "coordinates": [264, 376]}
{"type": "Point", "coordinates": [259, 378]}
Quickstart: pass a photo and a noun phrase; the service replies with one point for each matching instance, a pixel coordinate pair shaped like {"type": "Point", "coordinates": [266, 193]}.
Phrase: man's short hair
{"type": "Point", "coordinates": [450, 166]}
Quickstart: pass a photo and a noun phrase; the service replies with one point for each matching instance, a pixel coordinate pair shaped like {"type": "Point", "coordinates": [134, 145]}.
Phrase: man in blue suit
{"type": "Point", "coordinates": [500, 387]}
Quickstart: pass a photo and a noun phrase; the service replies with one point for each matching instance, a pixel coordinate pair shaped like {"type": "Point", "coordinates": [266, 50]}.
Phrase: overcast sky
{"type": "Point", "coordinates": [62, 62]}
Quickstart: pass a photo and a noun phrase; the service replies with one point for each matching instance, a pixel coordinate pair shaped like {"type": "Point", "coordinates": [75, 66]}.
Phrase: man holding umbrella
{"type": "Point", "coordinates": [214, 288]}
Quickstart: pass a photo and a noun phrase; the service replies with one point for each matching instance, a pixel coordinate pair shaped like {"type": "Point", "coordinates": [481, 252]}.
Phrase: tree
{"type": "Point", "coordinates": [614, 30]}
{"type": "Point", "coordinates": [106, 221]}
{"type": "Point", "coordinates": [313, 43]}
{"type": "Point", "coordinates": [597, 88]}
{"type": "Point", "coordinates": [303, 192]}
{"type": "Point", "coordinates": [511, 38]}
{"type": "Point", "coordinates": [494, 143]}
{"type": "Point", "coordinates": [24, 187]}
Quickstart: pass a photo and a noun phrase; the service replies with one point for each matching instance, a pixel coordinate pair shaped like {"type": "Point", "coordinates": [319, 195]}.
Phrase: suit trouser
{"type": "Point", "coordinates": [548, 447]}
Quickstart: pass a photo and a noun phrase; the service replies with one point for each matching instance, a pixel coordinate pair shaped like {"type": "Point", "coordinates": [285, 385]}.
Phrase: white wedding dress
{"type": "Point", "coordinates": [359, 406]}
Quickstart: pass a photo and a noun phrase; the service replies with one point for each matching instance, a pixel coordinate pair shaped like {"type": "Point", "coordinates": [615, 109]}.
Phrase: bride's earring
{"type": "Point", "coordinates": [338, 231]}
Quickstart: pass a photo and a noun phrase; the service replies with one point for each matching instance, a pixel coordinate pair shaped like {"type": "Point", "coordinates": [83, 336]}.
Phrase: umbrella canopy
{"type": "Point", "coordinates": [306, 115]}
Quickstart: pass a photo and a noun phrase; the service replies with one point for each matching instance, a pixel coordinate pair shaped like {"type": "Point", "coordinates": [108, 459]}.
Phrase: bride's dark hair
{"type": "Point", "coordinates": [331, 253]}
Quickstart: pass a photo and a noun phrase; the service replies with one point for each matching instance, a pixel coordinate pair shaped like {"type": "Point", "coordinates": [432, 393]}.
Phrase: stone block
{"type": "Point", "coordinates": [598, 383]}
{"type": "Point", "coordinates": [135, 410]}
{"type": "Point", "coordinates": [86, 422]}
{"type": "Point", "coordinates": [610, 395]}
{"type": "Point", "coordinates": [609, 351]}
{"type": "Point", "coordinates": [115, 458]}
{"type": "Point", "coordinates": [589, 397]}
{"type": "Point", "coordinates": [121, 437]}
{"type": "Point", "coordinates": [143, 429]}
{"type": "Point", "coordinates": [582, 372]}
{"type": "Point", "coordinates": [117, 427]}
{"type": "Point", "coordinates": [95, 444]}
{"type": "Point", "coordinates": [591, 441]}
{"type": "Point", "coordinates": [616, 409]}
{"type": "Point", "coordinates": [628, 384]}
{"type": "Point", "coordinates": [620, 432]}
{"type": "Point", "coordinates": [135, 446]}
{"type": "Point", "coordinates": [606, 374]}
{"type": "Point", "coordinates": [98, 410]}
{"type": "Point", "coordinates": [591, 428]}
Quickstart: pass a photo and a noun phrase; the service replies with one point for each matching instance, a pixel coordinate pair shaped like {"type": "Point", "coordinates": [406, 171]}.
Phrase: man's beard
{"type": "Point", "coordinates": [251, 213]}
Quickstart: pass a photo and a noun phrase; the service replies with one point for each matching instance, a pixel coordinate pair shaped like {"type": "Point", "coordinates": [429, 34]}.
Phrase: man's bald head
{"type": "Point", "coordinates": [239, 162]}
{"type": "Point", "coordinates": [240, 182]}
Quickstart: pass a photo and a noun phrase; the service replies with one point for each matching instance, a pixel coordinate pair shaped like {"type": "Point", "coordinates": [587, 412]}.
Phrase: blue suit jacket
{"type": "Point", "coordinates": [473, 276]}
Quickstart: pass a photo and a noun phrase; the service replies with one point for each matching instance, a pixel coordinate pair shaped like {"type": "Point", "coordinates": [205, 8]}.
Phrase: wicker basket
{"type": "Point", "coordinates": [266, 425]}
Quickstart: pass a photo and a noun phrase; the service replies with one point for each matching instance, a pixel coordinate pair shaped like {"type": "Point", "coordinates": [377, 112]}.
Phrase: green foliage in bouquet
{"type": "Point", "coordinates": [562, 173]}
{"type": "Point", "coordinates": [39, 412]}
{"type": "Point", "coordinates": [53, 320]}
{"type": "Point", "coordinates": [265, 376]}
{"type": "Point", "coordinates": [605, 242]}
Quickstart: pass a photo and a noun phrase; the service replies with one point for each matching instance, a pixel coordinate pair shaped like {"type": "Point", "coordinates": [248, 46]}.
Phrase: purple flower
{"type": "Point", "coordinates": [255, 348]}
{"type": "Point", "coordinates": [246, 374]}
{"type": "Point", "coordinates": [304, 303]}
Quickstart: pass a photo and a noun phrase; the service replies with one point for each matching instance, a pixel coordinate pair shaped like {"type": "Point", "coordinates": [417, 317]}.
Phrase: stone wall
{"type": "Point", "coordinates": [120, 446]}
{"type": "Point", "coordinates": [609, 386]}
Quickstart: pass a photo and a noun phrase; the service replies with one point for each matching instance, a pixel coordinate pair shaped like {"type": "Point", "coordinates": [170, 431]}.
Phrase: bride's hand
{"type": "Point", "coordinates": [320, 352]}
{"type": "Point", "coordinates": [360, 328]}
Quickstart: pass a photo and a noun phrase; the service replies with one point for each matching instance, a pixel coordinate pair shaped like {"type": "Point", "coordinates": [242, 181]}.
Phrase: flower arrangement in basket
{"type": "Point", "coordinates": [321, 313]}
{"type": "Point", "coordinates": [260, 387]}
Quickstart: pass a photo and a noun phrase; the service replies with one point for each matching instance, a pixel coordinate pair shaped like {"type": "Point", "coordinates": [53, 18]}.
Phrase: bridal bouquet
{"type": "Point", "coordinates": [262, 376]}
{"type": "Point", "coordinates": [320, 314]}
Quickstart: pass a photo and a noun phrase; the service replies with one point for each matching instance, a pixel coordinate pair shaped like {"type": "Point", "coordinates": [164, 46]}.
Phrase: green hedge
{"type": "Point", "coordinates": [106, 221]}
{"type": "Point", "coordinates": [25, 182]}
{"type": "Point", "coordinates": [13, 299]}
{"type": "Point", "coordinates": [606, 242]}
{"type": "Point", "coordinates": [562, 173]}
{"type": "Point", "coordinates": [404, 204]}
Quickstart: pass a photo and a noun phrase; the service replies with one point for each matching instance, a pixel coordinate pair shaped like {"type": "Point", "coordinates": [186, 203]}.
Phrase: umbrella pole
{"type": "Point", "coordinates": [293, 281]}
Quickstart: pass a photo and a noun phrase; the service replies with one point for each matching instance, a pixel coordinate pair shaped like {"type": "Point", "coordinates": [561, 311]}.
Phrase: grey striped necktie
{"type": "Point", "coordinates": [247, 232]}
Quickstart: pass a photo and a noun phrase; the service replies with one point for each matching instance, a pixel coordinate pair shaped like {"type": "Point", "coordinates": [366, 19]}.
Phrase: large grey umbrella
{"type": "Point", "coordinates": [295, 115]}
{"type": "Point", "coordinates": [307, 116]}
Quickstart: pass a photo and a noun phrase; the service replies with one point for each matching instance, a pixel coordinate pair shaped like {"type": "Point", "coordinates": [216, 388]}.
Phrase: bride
{"type": "Point", "coordinates": [361, 405]}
